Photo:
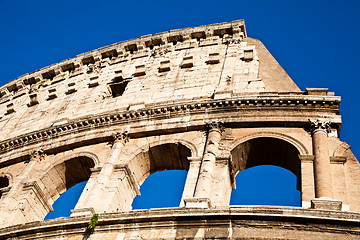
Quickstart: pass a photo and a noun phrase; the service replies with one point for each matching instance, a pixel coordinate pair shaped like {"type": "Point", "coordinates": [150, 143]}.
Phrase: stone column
{"type": "Point", "coordinates": [203, 187]}
{"type": "Point", "coordinates": [94, 198]}
{"type": "Point", "coordinates": [322, 166]}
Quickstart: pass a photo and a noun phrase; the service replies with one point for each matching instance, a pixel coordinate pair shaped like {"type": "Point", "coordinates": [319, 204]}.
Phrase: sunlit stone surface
{"type": "Point", "coordinates": [208, 100]}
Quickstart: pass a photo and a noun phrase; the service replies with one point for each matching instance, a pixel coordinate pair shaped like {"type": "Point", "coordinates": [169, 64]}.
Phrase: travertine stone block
{"type": "Point", "coordinates": [326, 204]}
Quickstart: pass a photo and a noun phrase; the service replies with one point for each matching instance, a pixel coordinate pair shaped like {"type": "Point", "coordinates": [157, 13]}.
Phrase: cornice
{"type": "Point", "coordinates": [324, 104]}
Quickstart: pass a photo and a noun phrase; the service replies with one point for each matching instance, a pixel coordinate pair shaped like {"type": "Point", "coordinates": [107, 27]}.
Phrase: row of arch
{"type": "Point", "coordinates": [252, 151]}
{"type": "Point", "coordinates": [174, 156]}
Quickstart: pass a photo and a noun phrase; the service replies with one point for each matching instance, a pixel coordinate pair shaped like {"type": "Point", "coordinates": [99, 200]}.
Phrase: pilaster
{"type": "Point", "coordinates": [25, 200]}
{"type": "Point", "coordinates": [203, 189]}
{"type": "Point", "coordinates": [97, 187]}
{"type": "Point", "coordinates": [191, 179]}
{"type": "Point", "coordinates": [223, 181]}
{"type": "Point", "coordinates": [122, 189]}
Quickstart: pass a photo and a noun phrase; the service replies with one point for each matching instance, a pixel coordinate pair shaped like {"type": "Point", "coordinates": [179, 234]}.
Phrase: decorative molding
{"type": "Point", "coordinates": [338, 160]}
{"type": "Point", "coordinates": [39, 193]}
{"type": "Point", "coordinates": [95, 169]}
{"type": "Point", "coordinates": [163, 111]}
{"type": "Point", "coordinates": [4, 191]}
{"type": "Point", "coordinates": [194, 159]}
{"type": "Point", "coordinates": [306, 158]}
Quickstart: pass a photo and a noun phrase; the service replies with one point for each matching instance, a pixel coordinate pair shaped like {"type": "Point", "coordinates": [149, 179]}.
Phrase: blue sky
{"type": "Point", "coordinates": [316, 42]}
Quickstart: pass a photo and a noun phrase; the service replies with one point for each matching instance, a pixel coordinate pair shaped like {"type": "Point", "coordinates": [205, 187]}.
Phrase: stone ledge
{"type": "Point", "coordinates": [197, 203]}
{"type": "Point", "coordinates": [82, 212]}
{"type": "Point", "coordinates": [274, 217]}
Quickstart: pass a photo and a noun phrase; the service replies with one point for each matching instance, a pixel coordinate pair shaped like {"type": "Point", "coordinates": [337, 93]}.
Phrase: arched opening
{"type": "Point", "coordinates": [266, 151]}
{"type": "Point", "coordinates": [67, 201]}
{"type": "Point", "coordinates": [4, 182]}
{"type": "Point", "coordinates": [68, 176]}
{"type": "Point", "coordinates": [162, 188]}
{"type": "Point", "coordinates": [265, 185]}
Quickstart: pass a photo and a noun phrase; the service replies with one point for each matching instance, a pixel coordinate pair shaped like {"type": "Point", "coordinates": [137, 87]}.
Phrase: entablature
{"type": "Point", "coordinates": [238, 111]}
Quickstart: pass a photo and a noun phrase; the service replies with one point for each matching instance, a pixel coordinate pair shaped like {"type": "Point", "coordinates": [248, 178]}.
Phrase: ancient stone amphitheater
{"type": "Point", "coordinates": [208, 100]}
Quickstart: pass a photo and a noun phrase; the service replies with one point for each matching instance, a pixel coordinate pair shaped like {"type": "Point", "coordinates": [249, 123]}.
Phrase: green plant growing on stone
{"type": "Point", "coordinates": [93, 221]}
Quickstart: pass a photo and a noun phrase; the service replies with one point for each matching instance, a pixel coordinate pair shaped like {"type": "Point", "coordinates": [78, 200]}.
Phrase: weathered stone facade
{"type": "Point", "coordinates": [209, 100]}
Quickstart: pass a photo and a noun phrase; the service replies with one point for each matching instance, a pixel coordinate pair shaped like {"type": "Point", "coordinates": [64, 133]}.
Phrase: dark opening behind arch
{"type": "Point", "coordinates": [170, 156]}
{"type": "Point", "coordinates": [68, 173]}
{"type": "Point", "coordinates": [72, 172]}
{"type": "Point", "coordinates": [167, 156]}
{"type": "Point", "coordinates": [267, 151]}
{"type": "Point", "coordinates": [77, 170]}
{"type": "Point", "coordinates": [4, 182]}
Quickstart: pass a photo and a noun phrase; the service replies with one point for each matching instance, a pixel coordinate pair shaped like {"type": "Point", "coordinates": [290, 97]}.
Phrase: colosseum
{"type": "Point", "coordinates": [208, 100]}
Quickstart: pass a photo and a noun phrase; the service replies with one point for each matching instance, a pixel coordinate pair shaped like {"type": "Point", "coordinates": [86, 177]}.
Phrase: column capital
{"type": "Point", "coordinates": [215, 126]}
{"type": "Point", "coordinates": [121, 136]}
{"type": "Point", "coordinates": [319, 125]}
{"type": "Point", "coordinates": [37, 155]}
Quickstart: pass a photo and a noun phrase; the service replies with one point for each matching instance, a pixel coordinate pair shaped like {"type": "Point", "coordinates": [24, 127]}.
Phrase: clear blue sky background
{"type": "Point", "coordinates": [316, 42]}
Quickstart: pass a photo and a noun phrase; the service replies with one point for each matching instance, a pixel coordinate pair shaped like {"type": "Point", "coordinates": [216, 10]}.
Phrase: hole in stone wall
{"type": "Point", "coordinates": [109, 54]}
{"type": "Point", "coordinates": [118, 86]}
{"type": "Point", "coordinates": [221, 32]}
{"type": "Point", "coordinates": [88, 60]}
{"type": "Point", "coordinates": [30, 81]}
{"type": "Point", "coordinates": [13, 88]}
{"type": "Point", "coordinates": [68, 67]}
{"type": "Point", "coordinates": [175, 39]}
{"type": "Point", "coordinates": [154, 42]}
{"type": "Point", "coordinates": [131, 48]}
{"type": "Point", "coordinates": [198, 35]}
{"type": "Point", "coordinates": [4, 182]}
{"type": "Point", "coordinates": [49, 75]}
{"type": "Point", "coordinates": [276, 186]}
{"type": "Point", "coordinates": [161, 189]}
